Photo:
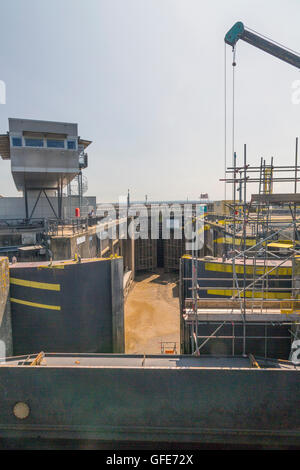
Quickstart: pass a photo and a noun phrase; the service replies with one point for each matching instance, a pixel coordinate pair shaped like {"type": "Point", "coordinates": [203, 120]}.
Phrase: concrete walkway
{"type": "Point", "coordinates": [152, 313]}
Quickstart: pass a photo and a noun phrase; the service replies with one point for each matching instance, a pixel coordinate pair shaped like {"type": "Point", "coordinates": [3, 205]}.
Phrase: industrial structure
{"type": "Point", "coordinates": [45, 157]}
{"type": "Point", "coordinates": [257, 289]}
{"type": "Point", "coordinates": [255, 283]}
{"type": "Point", "coordinates": [235, 380]}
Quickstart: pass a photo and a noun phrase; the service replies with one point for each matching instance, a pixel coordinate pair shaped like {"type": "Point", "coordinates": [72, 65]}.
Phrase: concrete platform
{"type": "Point", "coordinates": [132, 361]}
{"type": "Point", "coordinates": [159, 399]}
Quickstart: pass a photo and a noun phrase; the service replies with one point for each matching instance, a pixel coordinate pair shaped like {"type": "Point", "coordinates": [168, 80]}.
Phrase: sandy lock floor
{"type": "Point", "coordinates": [152, 313]}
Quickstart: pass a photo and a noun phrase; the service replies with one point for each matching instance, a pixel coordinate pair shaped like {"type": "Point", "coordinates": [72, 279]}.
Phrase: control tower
{"type": "Point", "coordinates": [45, 156]}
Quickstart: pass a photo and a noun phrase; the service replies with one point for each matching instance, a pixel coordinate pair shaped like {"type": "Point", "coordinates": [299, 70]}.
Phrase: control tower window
{"type": "Point", "coordinates": [34, 142]}
{"type": "Point", "coordinates": [71, 144]}
{"type": "Point", "coordinates": [55, 143]}
{"type": "Point", "coordinates": [17, 141]}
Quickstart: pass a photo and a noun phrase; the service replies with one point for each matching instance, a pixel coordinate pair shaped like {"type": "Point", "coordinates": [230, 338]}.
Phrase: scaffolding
{"type": "Point", "coordinates": [271, 220]}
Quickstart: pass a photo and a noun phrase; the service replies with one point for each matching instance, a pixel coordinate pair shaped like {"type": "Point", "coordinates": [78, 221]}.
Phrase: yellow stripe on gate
{"type": "Point", "coordinates": [238, 241]}
{"type": "Point", "coordinates": [249, 294]}
{"type": "Point", "coordinates": [239, 269]}
{"type": "Point", "coordinates": [34, 284]}
{"type": "Point", "coordinates": [34, 304]}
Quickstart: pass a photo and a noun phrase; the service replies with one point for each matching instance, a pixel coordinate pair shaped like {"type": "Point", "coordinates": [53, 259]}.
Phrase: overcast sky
{"type": "Point", "coordinates": [144, 80]}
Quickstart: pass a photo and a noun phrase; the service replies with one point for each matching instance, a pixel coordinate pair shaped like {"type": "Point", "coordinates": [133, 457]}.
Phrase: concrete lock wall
{"type": "Point", "coordinates": [67, 307]}
{"type": "Point", "coordinates": [261, 339]}
{"type": "Point", "coordinates": [242, 406]}
{"type": "Point", "coordinates": [5, 313]}
{"type": "Point", "coordinates": [85, 245]}
{"type": "Point", "coordinates": [223, 274]}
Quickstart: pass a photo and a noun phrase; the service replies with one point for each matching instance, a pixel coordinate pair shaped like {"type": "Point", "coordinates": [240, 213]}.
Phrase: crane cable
{"type": "Point", "coordinates": [233, 102]}
{"type": "Point", "coordinates": [225, 119]}
{"type": "Point", "coordinates": [225, 112]}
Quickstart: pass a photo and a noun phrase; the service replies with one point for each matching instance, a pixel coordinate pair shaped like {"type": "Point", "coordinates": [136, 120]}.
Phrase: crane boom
{"type": "Point", "coordinates": [238, 31]}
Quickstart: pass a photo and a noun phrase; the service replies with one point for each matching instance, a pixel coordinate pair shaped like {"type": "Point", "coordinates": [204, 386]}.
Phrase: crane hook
{"type": "Point", "coordinates": [233, 57]}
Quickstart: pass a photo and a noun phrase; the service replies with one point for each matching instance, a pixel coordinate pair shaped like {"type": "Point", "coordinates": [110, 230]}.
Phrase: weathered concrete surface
{"type": "Point", "coordinates": [203, 405]}
{"type": "Point", "coordinates": [152, 313]}
{"type": "Point", "coordinates": [5, 315]}
{"type": "Point", "coordinates": [84, 244]}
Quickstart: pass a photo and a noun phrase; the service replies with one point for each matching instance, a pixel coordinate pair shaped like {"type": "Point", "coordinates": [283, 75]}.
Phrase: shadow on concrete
{"type": "Point", "coordinates": [175, 290]}
{"type": "Point", "coordinates": [163, 278]}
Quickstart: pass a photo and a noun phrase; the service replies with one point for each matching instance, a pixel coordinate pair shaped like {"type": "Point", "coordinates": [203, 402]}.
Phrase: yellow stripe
{"type": "Point", "coordinates": [257, 295]}
{"type": "Point", "coordinates": [249, 241]}
{"type": "Point", "coordinates": [280, 245]}
{"type": "Point", "coordinates": [34, 284]}
{"type": "Point", "coordinates": [227, 268]}
{"type": "Point", "coordinates": [56, 266]}
{"type": "Point", "coordinates": [238, 241]}
{"type": "Point", "coordinates": [33, 304]}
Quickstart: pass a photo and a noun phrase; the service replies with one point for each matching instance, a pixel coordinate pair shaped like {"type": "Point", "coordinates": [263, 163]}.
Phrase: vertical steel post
{"type": "Point", "coordinates": [244, 236]}
{"type": "Point", "coordinates": [26, 203]}
{"type": "Point", "coordinates": [296, 175]}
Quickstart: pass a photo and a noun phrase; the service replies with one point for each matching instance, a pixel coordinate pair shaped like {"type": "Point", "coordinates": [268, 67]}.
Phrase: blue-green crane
{"type": "Point", "coordinates": [238, 31]}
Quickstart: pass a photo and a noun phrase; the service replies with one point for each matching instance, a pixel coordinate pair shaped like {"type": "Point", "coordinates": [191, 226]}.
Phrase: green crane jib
{"type": "Point", "coordinates": [238, 31]}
